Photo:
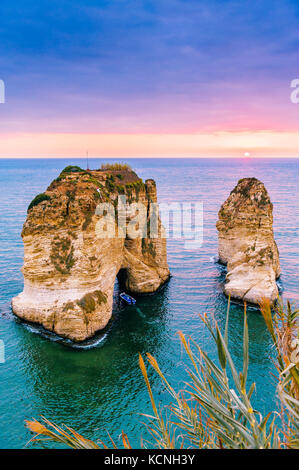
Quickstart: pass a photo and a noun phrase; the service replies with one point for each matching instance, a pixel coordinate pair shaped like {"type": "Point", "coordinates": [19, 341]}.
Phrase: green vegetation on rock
{"type": "Point", "coordinates": [115, 166]}
{"type": "Point", "coordinates": [89, 301]}
{"type": "Point", "coordinates": [148, 247]}
{"type": "Point", "coordinates": [38, 199]}
{"type": "Point", "coordinates": [62, 254]}
{"type": "Point", "coordinates": [71, 169]}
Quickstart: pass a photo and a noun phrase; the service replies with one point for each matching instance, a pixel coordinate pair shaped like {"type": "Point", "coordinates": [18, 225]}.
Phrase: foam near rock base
{"type": "Point", "coordinates": [246, 243]}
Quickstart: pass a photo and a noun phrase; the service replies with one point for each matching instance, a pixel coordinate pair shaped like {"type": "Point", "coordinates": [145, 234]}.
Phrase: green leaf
{"type": "Point", "coordinates": [245, 350]}
{"type": "Point", "coordinates": [221, 351]}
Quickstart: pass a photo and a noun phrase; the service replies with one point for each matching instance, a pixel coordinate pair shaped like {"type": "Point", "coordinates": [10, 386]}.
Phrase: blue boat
{"type": "Point", "coordinates": [127, 298]}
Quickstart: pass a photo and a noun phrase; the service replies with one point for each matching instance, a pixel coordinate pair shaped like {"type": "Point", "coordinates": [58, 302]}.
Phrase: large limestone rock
{"type": "Point", "coordinates": [246, 243]}
{"type": "Point", "coordinates": [70, 268]}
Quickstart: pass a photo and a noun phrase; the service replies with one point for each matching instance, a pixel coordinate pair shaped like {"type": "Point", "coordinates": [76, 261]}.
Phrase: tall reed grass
{"type": "Point", "coordinates": [215, 409]}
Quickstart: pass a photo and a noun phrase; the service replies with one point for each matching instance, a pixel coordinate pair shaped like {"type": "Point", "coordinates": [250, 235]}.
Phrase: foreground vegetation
{"type": "Point", "coordinates": [215, 409]}
{"type": "Point", "coordinates": [116, 166]}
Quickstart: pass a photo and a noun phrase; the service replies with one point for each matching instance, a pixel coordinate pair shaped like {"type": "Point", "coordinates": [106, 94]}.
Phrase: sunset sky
{"type": "Point", "coordinates": [155, 78]}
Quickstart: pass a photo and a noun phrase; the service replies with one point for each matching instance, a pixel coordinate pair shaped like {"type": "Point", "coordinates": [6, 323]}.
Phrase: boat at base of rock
{"type": "Point", "coordinates": [127, 298]}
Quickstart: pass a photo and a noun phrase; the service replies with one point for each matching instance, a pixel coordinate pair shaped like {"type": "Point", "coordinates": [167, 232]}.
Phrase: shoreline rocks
{"type": "Point", "coordinates": [246, 243]}
{"type": "Point", "coordinates": [69, 270]}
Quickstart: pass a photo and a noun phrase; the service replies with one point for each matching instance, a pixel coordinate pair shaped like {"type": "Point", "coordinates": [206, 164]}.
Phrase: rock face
{"type": "Point", "coordinates": [246, 243]}
{"type": "Point", "coordinates": [70, 267]}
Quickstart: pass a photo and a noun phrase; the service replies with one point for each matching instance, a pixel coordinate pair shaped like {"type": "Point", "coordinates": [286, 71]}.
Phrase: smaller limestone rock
{"type": "Point", "coordinates": [246, 243]}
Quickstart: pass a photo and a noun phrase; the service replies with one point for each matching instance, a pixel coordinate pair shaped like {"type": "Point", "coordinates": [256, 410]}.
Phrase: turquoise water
{"type": "Point", "coordinates": [102, 388]}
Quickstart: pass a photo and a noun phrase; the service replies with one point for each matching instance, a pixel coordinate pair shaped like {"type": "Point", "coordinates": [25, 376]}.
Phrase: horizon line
{"type": "Point", "coordinates": [177, 157]}
{"type": "Point", "coordinates": [202, 145]}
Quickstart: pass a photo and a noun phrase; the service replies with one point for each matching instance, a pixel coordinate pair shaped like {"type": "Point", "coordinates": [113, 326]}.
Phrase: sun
{"type": "Point", "coordinates": [246, 154]}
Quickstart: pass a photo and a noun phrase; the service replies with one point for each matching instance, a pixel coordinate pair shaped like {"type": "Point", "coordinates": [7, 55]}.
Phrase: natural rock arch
{"type": "Point", "coordinates": [69, 273]}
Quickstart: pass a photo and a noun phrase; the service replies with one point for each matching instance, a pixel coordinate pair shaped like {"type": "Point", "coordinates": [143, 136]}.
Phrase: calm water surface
{"type": "Point", "coordinates": [102, 388]}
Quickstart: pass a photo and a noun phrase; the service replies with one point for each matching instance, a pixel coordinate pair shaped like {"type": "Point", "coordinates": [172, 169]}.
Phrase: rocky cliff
{"type": "Point", "coordinates": [73, 250]}
{"type": "Point", "coordinates": [246, 243]}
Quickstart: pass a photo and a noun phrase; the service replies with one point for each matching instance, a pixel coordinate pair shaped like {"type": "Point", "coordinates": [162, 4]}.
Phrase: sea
{"type": "Point", "coordinates": [98, 388]}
